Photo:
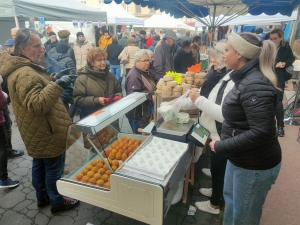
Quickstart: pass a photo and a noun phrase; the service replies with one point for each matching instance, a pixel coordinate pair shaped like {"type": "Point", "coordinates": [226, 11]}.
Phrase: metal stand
{"type": "Point", "coordinates": [291, 120]}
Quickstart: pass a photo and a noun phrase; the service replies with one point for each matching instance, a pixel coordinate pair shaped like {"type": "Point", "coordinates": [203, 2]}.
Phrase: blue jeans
{"type": "Point", "coordinates": [45, 173]}
{"type": "Point", "coordinates": [116, 70]}
{"type": "Point", "coordinates": [245, 192]}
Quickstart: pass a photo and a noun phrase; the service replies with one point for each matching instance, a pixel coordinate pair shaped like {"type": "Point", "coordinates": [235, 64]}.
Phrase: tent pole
{"type": "Point", "coordinates": [17, 22]}
{"type": "Point", "coordinates": [295, 27]}
{"type": "Point", "coordinates": [213, 26]}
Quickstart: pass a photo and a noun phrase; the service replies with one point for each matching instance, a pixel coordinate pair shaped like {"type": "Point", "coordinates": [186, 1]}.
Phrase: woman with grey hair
{"type": "Point", "coordinates": [113, 51]}
{"type": "Point", "coordinates": [140, 80]}
{"type": "Point", "coordinates": [124, 40]}
{"type": "Point", "coordinates": [209, 101]}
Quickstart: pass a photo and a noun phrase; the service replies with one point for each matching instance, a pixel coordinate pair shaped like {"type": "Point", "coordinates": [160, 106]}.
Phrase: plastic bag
{"type": "Point", "coordinates": [170, 110]}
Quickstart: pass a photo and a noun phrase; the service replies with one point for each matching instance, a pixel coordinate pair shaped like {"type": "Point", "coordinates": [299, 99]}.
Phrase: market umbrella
{"type": "Point", "coordinates": [229, 9]}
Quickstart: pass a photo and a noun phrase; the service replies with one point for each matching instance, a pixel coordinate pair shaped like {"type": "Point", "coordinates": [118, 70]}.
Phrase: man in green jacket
{"type": "Point", "coordinates": [41, 116]}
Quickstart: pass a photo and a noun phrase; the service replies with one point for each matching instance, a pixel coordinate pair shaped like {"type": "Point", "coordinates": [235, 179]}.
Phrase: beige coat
{"type": "Point", "coordinates": [131, 51]}
{"type": "Point", "coordinates": [40, 113]}
{"type": "Point", "coordinates": [81, 53]}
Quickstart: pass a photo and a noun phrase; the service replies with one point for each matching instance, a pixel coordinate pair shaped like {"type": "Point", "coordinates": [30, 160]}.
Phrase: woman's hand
{"type": "Point", "coordinates": [194, 95]}
{"type": "Point", "coordinates": [101, 100]}
{"type": "Point", "coordinates": [212, 145]}
{"type": "Point", "coordinates": [280, 65]}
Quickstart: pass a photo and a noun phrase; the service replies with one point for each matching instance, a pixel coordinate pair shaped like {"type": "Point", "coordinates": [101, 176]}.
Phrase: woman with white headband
{"type": "Point", "coordinates": [249, 136]}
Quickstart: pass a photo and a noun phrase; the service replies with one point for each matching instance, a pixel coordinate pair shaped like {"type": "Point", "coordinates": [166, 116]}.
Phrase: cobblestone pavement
{"type": "Point", "coordinates": [18, 206]}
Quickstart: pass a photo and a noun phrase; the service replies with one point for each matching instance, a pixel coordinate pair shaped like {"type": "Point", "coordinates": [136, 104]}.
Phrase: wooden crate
{"type": "Point", "coordinates": [158, 99]}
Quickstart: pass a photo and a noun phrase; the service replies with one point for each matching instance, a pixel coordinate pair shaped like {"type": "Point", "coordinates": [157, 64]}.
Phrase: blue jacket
{"type": "Point", "coordinates": [153, 46]}
{"type": "Point", "coordinates": [53, 66]}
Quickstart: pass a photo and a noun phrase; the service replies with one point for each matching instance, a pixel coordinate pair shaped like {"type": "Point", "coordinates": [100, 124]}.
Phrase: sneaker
{"type": "Point", "coordinates": [8, 183]}
{"type": "Point", "coordinates": [280, 132]}
{"type": "Point", "coordinates": [43, 201]}
{"type": "Point", "coordinates": [206, 172]}
{"type": "Point", "coordinates": [206, 191]}
{"type": "Point", "coordinates": [205, 207]}
{"type": "Point", "coordinates": [15, 153]}
{"type": "Point", "coordinates": [68, 204]}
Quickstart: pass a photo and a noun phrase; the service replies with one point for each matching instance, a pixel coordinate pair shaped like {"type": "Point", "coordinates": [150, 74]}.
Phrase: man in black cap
{"type": "Point", "coordinates": [52, 42]}
{"type": "Point", "coordinates": [163, 56]}
{"type": "Point", "coordinates": [141, 40]}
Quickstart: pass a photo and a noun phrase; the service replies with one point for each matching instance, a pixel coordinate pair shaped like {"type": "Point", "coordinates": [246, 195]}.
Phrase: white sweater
{"type": "Point", "coordinates": [210, 110]}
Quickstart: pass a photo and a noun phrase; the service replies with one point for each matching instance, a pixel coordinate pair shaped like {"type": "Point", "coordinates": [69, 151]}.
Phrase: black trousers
{"type": "Point", "coordinates": [279, 109]}
{"type": "Point", "coordinates": [218, 167]}
{"type": "Point", "coordinates": [3, 153]}
{"type": "Point", "coordinates": [7, 126]}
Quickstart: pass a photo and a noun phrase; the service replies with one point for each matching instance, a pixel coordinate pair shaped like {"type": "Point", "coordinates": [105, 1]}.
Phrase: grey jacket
{"type": "Point", "coordinates": [71, 54]}
{"type": "Point", "coordinates": [163, 59]}
{"type": "Point", "coordinates": [66, 61]}
{"type": "Point", "coordinates": [141, 42]}
{"type": "Point", "coordinates": [123, 42]}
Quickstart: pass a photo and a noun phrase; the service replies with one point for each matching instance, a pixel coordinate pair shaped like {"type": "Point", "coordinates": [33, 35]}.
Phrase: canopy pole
{"type": "Point", "coordinates": [213, 26]}
{"type": "Point", "coordinates": [295, 27]}
{"type": "Point", "coordinates": [17, 22]}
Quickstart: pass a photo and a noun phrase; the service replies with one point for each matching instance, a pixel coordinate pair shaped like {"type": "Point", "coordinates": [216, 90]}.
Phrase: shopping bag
{"type": "Point", "coordinates": [170, 110]}
{"type": "Point", "coordinates": [125, 58]}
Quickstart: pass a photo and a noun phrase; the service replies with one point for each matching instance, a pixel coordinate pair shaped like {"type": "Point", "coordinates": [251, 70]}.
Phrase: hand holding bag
{"type": "Point", "coordinates": [125, 58]}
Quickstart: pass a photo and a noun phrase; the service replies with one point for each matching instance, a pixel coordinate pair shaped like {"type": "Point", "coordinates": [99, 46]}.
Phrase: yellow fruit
{"type": "Point", "coordinates": [106, 185]}
{"type": "Point", "coordinates": [89, 167]}
{"type": "Point", "coordinates": [92, 180]}
{"type": "Point", "coordinates": [97, 176]}
{"type": "Point", "coordinates": [105, 177]}
{"type": "Point", "coordinates": [115, 163]}
{"type": "Point", "coordinates": [85, 179]}
{"type": "Point", "coordinates": [108, 172]}
{"type": "Point", "coordinates": [99, 165]}
{"type": "Point", "coordinates": [119, 156]}
{"type": "Point", "coordinates": [79, 176]}
{"type": "Point", "coordinates": [90, 174]}
{"type": "Point", "coordinates": [94, 169]}
{"type": "Point", "coordinates": [94, 162]}
{"type": "Point", "coordinates": [114, 168]}
{"type": "Point", "coordinates": [100, 182]}
{"type": "Point", "coordinates": [101, 171]}
{"type": "Point", "coordinates": [124, 156]}
{"type": "Point", "coordinates": [112, 155]}
{"type": "Point", "coordinates": [84, 171]}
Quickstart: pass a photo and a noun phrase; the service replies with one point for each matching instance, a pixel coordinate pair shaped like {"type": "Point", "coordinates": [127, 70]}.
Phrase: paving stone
{"type": "Point", "coordinates": [85, 221]}
{"type": "Point", "coordinates": [24, 211]}
{"type": "Point", "coordinates": [26, 190]}
{"type": "Point", "coordinates": [84, 213]}
{"type": "Point", "coordinates": [22, 205]}
{"type": "Point", "coordinates": [42, 219]}
{"type": "Point", "coordinates": [14, 218]}
{"type": "Point", "coordinates": [32, 213]}
{"type": "Point", "coordinates": [111, 221]}
{"type": "Point", "coordinates": [32, 206]}
{"type": "Point", "coordinates": [21, 171]}
{"type": "Point", "coordinates": [27, 184]}
{"type": "Point", "coordinates": [31, 196]}
{"type": "Point", "coordinates": [11, 166]}
{"type": "Point", "coordinates": [71, 213]}
{"type": "Point", "coordinates": [11, 199]}
{"type": "Point", "coordinates": [103, 214]}
{"type": "Point", "coordinates": [25, 163]}
{"type": "Point", "coordinates": [63, 220]}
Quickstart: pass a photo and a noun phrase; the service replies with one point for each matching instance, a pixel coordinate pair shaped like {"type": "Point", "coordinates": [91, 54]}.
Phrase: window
{"type": "Point", "coordinates": [138, 9]}
{"type": "Point", "coordinates": [83, 2]}
{"type": "Point", "coordinates": [152, 10]}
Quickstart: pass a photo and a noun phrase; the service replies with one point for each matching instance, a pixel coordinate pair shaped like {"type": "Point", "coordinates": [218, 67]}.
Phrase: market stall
{"type": "Point", "coordinates": [166, 22]}
{"type": "Point", "coordinates": [133, 175]}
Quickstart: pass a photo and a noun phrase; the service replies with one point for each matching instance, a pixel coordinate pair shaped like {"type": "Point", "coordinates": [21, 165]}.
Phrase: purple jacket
{"type": "Point", "coordinates": [3, 103]}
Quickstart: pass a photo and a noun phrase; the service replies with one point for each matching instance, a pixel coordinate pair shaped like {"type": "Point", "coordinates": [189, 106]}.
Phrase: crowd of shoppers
{"type": "Point", "coordinates": [43, 82]}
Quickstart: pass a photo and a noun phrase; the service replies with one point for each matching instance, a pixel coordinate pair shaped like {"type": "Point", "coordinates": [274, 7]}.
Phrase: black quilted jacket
{"type": "Point", "coordinates": [249, 137]}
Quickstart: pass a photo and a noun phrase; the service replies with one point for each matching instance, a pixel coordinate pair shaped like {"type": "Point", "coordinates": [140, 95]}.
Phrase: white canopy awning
{"type": "Point", "coordinates": [249, 19]}
{"type": "Point", "coordinates": [165, 21]}
{"type": "Point", "coordinates": [116, 14]}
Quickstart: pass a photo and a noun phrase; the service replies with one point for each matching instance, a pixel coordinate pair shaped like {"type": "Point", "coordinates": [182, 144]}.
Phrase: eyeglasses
{"type": "Point", "coordinates": [146, 60]}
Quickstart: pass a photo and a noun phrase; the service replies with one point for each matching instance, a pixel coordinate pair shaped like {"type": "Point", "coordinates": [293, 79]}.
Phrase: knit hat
{"type": "Point", "coordinates": [143, 32]}
{"type": "Point", "coordinates": [79, 33]}
{"type": "Point", "coordinates": [62, 48]}
{"type": "Point", "coordinates": [243, 47]}
{"type": "Point", "coordinates": [51, 33]}
{"type": "Point", "coordinates": [171, 34]}
{"type": "Point", "coordinates": [63, 33]}
{"type": "Point", "coordinates": [9, 42]}
{"type": "Point", "coordinates": [220, 47]}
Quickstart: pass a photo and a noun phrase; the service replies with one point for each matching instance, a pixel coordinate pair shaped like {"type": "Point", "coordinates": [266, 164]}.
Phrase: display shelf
{"type": "Point", "coordinates": [104, 117]}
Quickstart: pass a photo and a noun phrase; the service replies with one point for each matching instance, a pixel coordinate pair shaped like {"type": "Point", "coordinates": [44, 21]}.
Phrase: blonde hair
{"type": "Point", "coordinates": [131, 41]}
{"type": "Point", "coordinates": [217, 55]}
{"type": "Point", "coordinates": [280, 34]}
{"type": "Point", "coordinates": [266, 57]}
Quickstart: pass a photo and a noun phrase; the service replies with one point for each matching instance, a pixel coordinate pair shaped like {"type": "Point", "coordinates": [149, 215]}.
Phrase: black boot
{"type": "Point", "coordinates": [280, 132]}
